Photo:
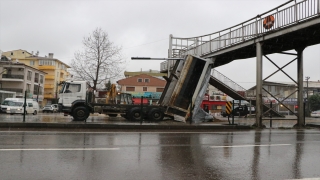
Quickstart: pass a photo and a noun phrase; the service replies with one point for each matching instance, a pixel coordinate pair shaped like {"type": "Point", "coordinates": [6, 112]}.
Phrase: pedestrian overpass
{"type": "Point", "coordinates": [293, 25]}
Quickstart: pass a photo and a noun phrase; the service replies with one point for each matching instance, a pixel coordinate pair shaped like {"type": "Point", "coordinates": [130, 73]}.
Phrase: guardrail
{"type": "Point", "coordinates": [12, 89]}
{"type": "Point", "coordinates": [289, 13]}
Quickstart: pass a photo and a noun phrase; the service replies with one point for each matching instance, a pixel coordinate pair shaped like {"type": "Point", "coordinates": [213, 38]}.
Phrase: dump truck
{"type": "Point", "coordinates": [180, 100]}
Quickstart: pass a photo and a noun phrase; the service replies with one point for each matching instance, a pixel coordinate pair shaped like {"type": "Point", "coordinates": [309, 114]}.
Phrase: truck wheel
{"type": "Point", "coordinates": [155, 114]}
{"type": "Point", "coordinates": [35, 112]}
{"type": "Point", "coordinates": [80, 113]}
{"type": "Point", "coordinates": [135, 114]}
{"type": "Point", "coordinates": [112, 115]}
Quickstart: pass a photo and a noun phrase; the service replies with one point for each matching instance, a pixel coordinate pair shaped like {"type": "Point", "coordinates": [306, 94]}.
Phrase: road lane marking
{"type": "Point", "coordinates": [63, 149]}
{"type": "Point", "coordinates": [253, 145]}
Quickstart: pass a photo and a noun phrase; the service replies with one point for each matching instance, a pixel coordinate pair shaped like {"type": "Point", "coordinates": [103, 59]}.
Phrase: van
{"type": "Point", "coordinates": [6, 103]}
{"type": "Point", "coordinates": [17, 107]}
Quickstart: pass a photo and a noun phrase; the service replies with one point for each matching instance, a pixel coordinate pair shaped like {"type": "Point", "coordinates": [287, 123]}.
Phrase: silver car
{"type": "Point", "coordinates": [50, 108]}
{"type": "Point", "coordinates": [315, 113]}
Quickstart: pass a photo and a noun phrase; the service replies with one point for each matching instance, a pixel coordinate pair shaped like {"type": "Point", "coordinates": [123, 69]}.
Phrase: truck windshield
{"type": "Point", "coordinates": [63, 87]}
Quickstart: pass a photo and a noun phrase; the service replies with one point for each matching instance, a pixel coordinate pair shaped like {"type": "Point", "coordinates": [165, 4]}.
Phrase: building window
{"type": "Point", "coordinates": [130, 88]}
{"type": "Point", "coordinates": [29, 75]}
{"type": "Point", "coordinates": [11, 53]}
{"type": "Point", "coordinates": [31, 63]}
{"type": "Point", "coordinates": [41, 79]}
{"type": "Point", "coordinates": [214, 107]}
{"type": "Point", "coordinates": [139, 80]}
{"type": "Point", "coordinates": [41, 91]}
{"type": "Point", "coordinates": [145, 89]}
{"type": "Point", "coordinates": [159, 89]}
{"type": "Point", "coordinates": [28, 88]}
{"type": "Point", "coordinates": [146, 80]}
{"type": "Point", "coordinates": [47, 62]}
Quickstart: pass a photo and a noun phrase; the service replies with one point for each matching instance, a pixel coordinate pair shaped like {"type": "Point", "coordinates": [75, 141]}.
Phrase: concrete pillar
{"type": "Point", "coordinates": [300, 122]}
{"type": "Point", "coordinates": [259, 101]}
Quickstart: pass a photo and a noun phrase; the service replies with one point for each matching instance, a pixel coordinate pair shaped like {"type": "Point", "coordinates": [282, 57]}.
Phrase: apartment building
{"type": "Point", "coordinates": [143, 85]}
{"type": "Point", "coordinates": [56, 71]}
{"type": "Point", "coordinates": [17, 77]}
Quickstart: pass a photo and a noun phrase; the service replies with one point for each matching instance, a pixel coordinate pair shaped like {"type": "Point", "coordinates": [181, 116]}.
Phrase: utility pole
{"type": "Point", "coordinates": [38, 92]}
{"type": "Point", "coordinates": [307, 101]}
{"type": "Point", "coordinates": [57, 84]}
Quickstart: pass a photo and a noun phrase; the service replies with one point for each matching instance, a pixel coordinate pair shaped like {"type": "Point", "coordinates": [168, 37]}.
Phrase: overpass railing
{"type": "Point", "coordinates": [287, 14]}
{"type": "Point", "coordinates": [229, 83]}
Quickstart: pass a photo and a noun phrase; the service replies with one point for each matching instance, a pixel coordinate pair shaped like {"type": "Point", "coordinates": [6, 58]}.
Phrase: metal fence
{"type": "Point", "coordinates": [287, 14]}
{"type": "Point", "coordinates": [11, 76]}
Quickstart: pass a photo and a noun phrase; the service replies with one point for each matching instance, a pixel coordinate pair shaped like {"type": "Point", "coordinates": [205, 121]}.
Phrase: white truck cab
{"type": "Point", "coordinates": [70, 92]}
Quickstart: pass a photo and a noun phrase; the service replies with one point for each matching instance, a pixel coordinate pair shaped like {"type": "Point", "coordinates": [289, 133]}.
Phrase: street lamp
{"type": "Point", "coordinates": [307, 78]}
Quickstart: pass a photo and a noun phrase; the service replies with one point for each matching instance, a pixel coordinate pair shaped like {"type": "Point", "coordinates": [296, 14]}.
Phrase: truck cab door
{"type": "Point", "coordinates": [72, 92]}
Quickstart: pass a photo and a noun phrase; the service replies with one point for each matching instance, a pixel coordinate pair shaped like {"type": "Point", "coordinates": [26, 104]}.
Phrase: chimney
{"type": "Point", "coordinates": [50, 55]}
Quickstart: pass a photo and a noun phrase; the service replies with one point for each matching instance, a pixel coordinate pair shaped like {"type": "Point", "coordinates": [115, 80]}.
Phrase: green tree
{"type": "Point", "coordinates": [108, 85]}
{"type": "Point", "coordinates": [314, 102]}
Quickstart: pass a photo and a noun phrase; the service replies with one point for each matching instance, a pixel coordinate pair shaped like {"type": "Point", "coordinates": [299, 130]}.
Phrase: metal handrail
{"type": "Point", "coordinates": [228, 82]}
{"type": "Point", "coordinates": [13, 76]}
{"type": "Point", "coordinates": [285, 15]}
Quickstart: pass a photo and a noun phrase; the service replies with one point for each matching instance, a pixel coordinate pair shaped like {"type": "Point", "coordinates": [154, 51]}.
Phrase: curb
{"type": "Point", "coordinates": [313, 125]}
{"type": "Point", "coordinates": [120, 126]}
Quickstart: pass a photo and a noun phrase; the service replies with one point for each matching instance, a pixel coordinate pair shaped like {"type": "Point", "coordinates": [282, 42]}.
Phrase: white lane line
{"type": "Point", "coordinates": [63, 149]}
{"type": "Point", "coordinates": [253, 145]}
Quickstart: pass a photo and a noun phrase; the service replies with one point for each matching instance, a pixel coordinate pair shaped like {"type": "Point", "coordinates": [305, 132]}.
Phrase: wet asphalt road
{"type": "Point", "coordinates": [254, 154]}
{"type": "Point", "coordinates": [287, 122]}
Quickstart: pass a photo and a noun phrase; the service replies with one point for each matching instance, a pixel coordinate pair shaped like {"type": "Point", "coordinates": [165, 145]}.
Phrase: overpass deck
{"type": "Point", "coordinates": [293, 24]}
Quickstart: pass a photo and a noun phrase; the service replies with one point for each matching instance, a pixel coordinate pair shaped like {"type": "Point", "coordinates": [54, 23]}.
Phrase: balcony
{"type": "Point", "coordinates": [46, 67]}
{"type": "Point", "coordinates": [12, 90]}
{"type": "Point", "coordinates": [48, 96]}
{"type": "Point", "coordinates": [11, 76]}
{"type": "Point", "coordinates": [48, 86]}
{"type": "Point", "coordinates": [49, 76]}
{"type": "Point", "coordinates": [61, 79]}
{"type": "Point", "coordinates": [36, 93]}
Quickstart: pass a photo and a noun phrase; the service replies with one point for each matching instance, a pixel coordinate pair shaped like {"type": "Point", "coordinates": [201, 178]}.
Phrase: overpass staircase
{"type": "Point", "coordinates": [234, 90]}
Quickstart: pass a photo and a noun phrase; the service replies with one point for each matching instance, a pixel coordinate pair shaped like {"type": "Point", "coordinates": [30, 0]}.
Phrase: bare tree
{"type": "Point", "coordinates": [100, 59]}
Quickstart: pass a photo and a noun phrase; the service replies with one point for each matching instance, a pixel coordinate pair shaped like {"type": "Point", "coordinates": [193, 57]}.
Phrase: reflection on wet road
{"type": "Point", "coordinates": [266, 154]}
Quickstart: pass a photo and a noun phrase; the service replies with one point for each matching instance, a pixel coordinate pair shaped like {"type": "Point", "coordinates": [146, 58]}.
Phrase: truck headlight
{"type": "Point", "coordinates": [8, 109]}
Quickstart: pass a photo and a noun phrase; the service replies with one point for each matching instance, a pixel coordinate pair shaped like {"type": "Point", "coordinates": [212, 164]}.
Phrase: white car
{"type": "Point", "coordinates": [315, 113]}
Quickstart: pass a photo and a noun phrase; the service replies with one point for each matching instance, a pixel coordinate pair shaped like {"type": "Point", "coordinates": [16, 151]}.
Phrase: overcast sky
{"type": "Point", "coordinates": [141, 28]}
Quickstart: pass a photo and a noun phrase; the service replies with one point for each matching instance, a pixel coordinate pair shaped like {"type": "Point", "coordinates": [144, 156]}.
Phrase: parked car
{"type": "Point", "coordinates": [55, 107]}
{"type": "Point", "coordinates": [315, 113]}
{"type": "Point", "coordinates": [50, 108]}
{"type": "Point", "coordinates": [239, 110]}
